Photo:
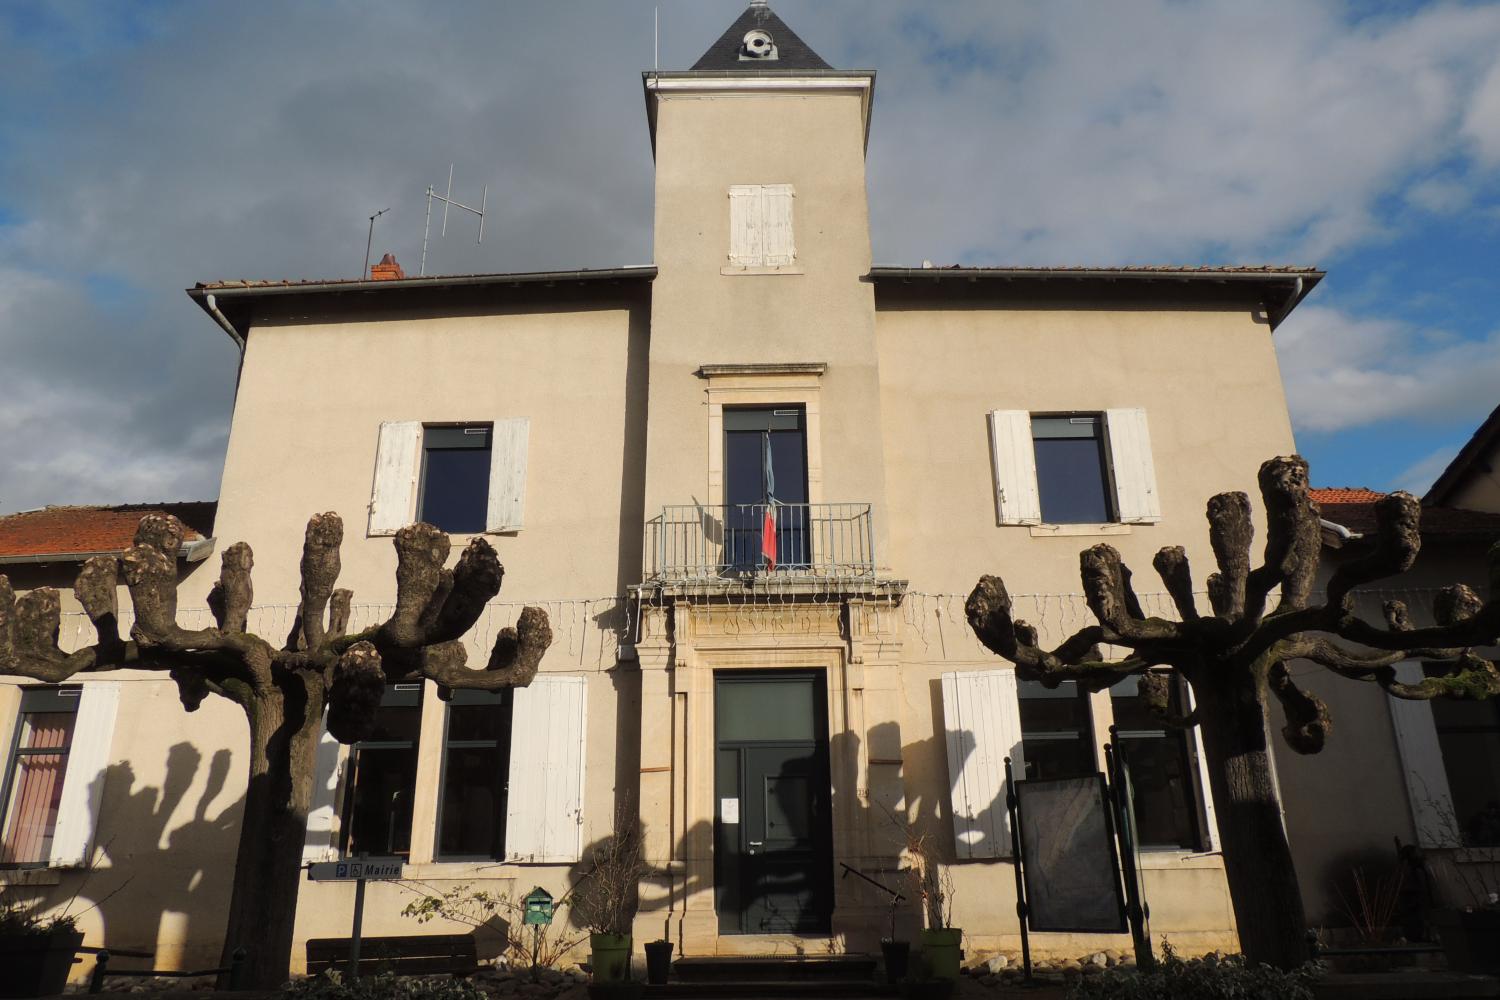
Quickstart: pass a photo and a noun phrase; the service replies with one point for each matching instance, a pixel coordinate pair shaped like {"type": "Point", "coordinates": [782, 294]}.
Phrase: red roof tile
{"type": "Point", "coordinates": [73, 531]}
{"type": "Point", "coordinates": [1354, 508]}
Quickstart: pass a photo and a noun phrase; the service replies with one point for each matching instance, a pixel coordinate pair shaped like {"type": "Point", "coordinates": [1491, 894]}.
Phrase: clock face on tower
{"type": "Point", "coordinates": [758, 45]}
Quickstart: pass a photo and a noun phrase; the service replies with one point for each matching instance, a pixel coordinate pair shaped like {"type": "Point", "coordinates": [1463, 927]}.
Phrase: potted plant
{"type": "Point", "coordinates": [941, 941]}
{"type": "Point", "coordinates": [658, 961]}
{"type": "Point", "coordinates": [36, 952]}
{"type": "Point", "coordinates": [605, 900]}
{"type": "Point", "coordinates": [1470, 933]}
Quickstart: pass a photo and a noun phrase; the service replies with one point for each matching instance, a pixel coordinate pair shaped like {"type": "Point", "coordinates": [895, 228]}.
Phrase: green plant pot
{"type": "Point", "coordinates": [36, 965]}
{"type": "Point", "coordinates": [611, 957]}
{"type": "Point", "coordinates": [942, 953]}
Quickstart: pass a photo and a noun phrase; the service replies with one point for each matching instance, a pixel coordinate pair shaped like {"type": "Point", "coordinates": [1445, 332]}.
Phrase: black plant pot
{"type": "Point", "coordinates": [897, 956]}
{"type": "Point", "coordinates": [658, 962]}
{"type": "Point", "coordinates": [1471, 939]}
{"type": "Point", "coordinates": [36, 965]}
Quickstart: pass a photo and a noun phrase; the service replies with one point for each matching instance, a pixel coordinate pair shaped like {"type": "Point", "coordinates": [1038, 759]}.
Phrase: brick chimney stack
{"type": "Point", "coordinates": [386, 270]}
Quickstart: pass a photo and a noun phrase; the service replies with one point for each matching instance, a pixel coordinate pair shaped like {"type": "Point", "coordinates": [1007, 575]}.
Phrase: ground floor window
{"type": "Point", "coordinates": [383, 778]}
{"type": "Point", "coordinates": [33, 781]}
{"type": "Point", "coordinates": [1468, 735]}
{"type": "Point", "coordinates": [1160, 761]}
{"type": "Point", "coordinates": [1057, 732]}
{"type": "Point", "coordinates": [476, 764]}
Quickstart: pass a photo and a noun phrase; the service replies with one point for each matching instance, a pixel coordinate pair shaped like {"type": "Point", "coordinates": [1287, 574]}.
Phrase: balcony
{"type": "Point", "coordinates": [811, 542]}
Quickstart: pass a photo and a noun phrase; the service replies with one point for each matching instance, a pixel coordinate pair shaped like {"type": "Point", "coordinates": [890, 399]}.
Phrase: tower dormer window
{"type": "Point", "coordinates": [758, 45]}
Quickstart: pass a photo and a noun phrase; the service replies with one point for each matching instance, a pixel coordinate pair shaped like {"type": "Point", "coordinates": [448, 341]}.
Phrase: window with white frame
{"type": "Point", "coordinates": [760, 225]}
{"type": "Point", "coordinates": [54, 775]}
{"type": "Point", "coordinates": [1161, 765]}
{"type": "Point", "coordinates": [1450, 751]}
{"type": "Point", "coordinates": [463, 478]}
{"type": "Point", "coordinates": [1073, 468]}
{"type": "Point", "coordinates": [382, 785]}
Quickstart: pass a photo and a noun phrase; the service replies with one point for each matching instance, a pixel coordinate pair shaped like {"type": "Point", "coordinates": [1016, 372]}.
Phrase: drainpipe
{"type": "Point", "coordinates": [222, 320]}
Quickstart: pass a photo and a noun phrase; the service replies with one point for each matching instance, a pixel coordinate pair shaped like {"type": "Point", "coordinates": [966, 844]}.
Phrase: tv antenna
{"type": "Point", "coordinates": [370, 238]}
{"type": "Point", "coordinates": [447, 200]}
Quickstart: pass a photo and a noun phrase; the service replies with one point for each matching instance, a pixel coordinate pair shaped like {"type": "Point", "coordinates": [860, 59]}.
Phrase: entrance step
{"type": "Point", "coordinates": [736, 969]}
{"type": "Point", "coordinates": [801, 989]}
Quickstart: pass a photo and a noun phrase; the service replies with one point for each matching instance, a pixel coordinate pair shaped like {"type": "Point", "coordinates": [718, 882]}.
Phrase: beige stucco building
{"type": "Point", "coordinates": [767, 702]}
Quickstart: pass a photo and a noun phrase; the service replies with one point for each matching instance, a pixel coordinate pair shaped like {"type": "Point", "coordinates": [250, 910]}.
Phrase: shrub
{"type": "Point", "coordinates": [1206, 978]}
{"type": "Point", "coordinates": [334, 986]}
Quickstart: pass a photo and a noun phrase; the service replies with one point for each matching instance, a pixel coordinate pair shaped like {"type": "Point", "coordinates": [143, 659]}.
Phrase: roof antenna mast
{"type": "Point", "coordinates": [447, 200]}
{"type": "Point", "coordinates": [370, 238]}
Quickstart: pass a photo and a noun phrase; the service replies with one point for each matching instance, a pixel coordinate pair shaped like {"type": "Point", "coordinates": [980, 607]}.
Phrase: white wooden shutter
{"type": "Point", "coordinates": [1136, 499]}
{"type": "Point", "coordinates": [508, 445]}
{"type": "Point", "coordinates": [544, 810]}
{"type": "Point", "coordinates": [1422, 764]}
{"type": "Point", "coordinates": [776, 214]}
{"type": "Point", "coordinates": [83, 781]}
{"type": "Point", "coordinates": [395, 476]}
{"type": "Point", "coordinates": [1206, 792]}
{"type": "Point", "coordinates": [746, 229]}
{"type": "Point", "coordinates": [982, 721]}
{"type": "Point", "coordinates": [323, 809]}
{"type": "Point", "coordinates": [1017, 500]}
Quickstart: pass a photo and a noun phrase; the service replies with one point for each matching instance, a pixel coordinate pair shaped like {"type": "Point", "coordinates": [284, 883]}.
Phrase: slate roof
{"type": "Point", "coordinates": [792, 52]}
{"type": "Point", "coordinates": [65, 533]}
{"type": "Point", "coordinates": [1354, 508]}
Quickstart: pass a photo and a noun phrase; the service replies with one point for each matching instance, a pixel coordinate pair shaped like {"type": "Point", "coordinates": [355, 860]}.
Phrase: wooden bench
{"type": "Point", "coordinates": [414, 955]}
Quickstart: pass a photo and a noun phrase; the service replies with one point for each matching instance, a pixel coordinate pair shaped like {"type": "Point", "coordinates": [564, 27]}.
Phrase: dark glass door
{"type": "Point", "coordinates": [773, 830]}
{"type": "Point", "coordinates": [765, 473]}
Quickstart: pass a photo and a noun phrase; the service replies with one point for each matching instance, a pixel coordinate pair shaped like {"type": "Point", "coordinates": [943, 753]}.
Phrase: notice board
{"type": "Point", "coordinates": [1068, 858]}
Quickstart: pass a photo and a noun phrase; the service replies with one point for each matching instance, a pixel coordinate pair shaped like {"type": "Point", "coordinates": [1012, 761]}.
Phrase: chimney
{"type": "Point", "coordinates": [386, 270]}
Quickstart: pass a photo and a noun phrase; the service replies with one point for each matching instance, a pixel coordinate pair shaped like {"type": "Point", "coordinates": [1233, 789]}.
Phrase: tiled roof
{"type": "Point", "coordinates": [1293, 269]}
{"type": "Point", "coordinates": [1354, 508]}
{"type": "Point", "coordinates": [69, 532]}
{"type": "Point", "coordinates": [791, 51]}
{"type": "Point", "coordinates": [643, 271]}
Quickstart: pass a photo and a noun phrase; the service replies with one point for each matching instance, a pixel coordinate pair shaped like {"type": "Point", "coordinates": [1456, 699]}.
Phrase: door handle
{"type": "Point", "coordinates": [754, 844]}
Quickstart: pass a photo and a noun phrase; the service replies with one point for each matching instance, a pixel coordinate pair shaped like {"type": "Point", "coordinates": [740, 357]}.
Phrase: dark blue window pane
{"type": "Point", "coordinates": [1070, 478]}
{"type": "Point", "coordinates": [455, 488]}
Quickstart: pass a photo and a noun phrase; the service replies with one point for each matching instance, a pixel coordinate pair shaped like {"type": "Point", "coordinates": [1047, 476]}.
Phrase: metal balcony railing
{"type": "Point", "coordinates": [691, 542]}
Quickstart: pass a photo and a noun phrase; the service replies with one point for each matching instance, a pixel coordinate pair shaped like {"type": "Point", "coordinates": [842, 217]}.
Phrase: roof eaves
{"type": "Point", "coordinates": [1474, 448]}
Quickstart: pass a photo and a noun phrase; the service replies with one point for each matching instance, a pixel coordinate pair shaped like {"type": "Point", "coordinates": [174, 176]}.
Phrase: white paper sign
{"type": "Point", "coordinates": [729, 810]}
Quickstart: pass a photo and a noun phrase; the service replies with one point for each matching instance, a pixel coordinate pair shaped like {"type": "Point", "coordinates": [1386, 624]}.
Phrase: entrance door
{"type": "Point", "coordinates": [773, 829]}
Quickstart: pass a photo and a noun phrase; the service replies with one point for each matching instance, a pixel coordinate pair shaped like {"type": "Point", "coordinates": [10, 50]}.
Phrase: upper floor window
{"type": "Point", "coordinates": [455, 477]}
{"type": "Point", "coordinates": [34, 779]}
{"type": "Point", "coordinates": [1073, 468]}
{"type": "Point", "coordinates": [463, 478]}
{"type": "Point", "coordinates": [760, 225]}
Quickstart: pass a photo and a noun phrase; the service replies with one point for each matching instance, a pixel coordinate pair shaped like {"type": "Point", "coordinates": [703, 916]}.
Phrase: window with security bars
{"type": "Point", "coordinates": [34, 777]}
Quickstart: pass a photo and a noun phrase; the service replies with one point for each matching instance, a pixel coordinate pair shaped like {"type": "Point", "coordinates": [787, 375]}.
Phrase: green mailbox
{"type": "Point", "coordinates": [538, 906]}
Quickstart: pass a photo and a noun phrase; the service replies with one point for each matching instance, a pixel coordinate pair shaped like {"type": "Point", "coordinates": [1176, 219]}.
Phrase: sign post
{"type": "Point", "coordinates": [356, 870]}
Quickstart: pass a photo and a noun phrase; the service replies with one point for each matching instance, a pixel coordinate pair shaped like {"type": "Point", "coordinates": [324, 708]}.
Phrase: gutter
{"type": "Point", "coordinates": [207, 294]}
{"type": "Point", "coordinates": [197, 550]}
{"type": "Point", "coordinates": [212, 308]}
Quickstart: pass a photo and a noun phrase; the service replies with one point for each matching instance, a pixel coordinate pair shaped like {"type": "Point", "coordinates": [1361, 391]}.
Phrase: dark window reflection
{"type": "Point", "coordinates": [383, 777]}
{"type": "Point", "coordinates": [476, 763]}
{"type": "Point", "coordinates": [1057, 731]}
{"type": "Point", "coordinates": [1468, 735]}
{"type": "Point", "coordinates": [1071, 475]}
{"type": "Point", "coordinates": [455, 478]}
{"type": "Point", "coordinates": [1161, 769]}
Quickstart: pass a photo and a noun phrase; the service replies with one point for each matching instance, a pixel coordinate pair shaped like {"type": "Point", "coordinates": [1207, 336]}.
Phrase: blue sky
{"type": "Point", "coordinates": [145, 146]}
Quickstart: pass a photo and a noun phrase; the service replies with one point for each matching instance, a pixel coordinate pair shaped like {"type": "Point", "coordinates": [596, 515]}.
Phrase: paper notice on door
{"type": "Point", "coordinates": [729, 810]}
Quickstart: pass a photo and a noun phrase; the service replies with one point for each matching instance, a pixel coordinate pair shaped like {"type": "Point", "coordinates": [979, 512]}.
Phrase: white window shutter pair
{"type": "Point", "coordinates": [982, 724]}
{"type": "Point", "coordinates": [83, 781]}
{"type": "Point", "coordinates": [544, 812]}
{"type": "Point", "coordinates": [1017, 500]}
{"type": "Point", "coordinates": [760, 225]}
{"type": "Point", "coordinates": [1422, 762]}
{"type": "Point", "coordinates": [398, 455]}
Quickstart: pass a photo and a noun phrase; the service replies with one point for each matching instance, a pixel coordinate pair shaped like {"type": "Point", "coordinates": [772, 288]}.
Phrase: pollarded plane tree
{"type": "Point", "coordinates": [1236, 659]}
{"type": "Point", "coordinates": [283, 689]}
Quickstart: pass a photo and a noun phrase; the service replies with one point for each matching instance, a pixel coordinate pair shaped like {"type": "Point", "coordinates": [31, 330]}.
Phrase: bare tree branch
{"type": "Point", "coordinates": [1294, 538]}
{"type": "Point", "coordinates": [1307, 720]}
{"type": "Point", "coordinates": [1229, 533]}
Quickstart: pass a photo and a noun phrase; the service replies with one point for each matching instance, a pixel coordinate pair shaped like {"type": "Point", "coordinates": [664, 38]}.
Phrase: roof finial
{"type": "Point", "coordinates": [759, 3]}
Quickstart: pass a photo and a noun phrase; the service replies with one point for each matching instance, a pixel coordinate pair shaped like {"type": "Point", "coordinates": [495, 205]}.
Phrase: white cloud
{"type": "Point", "coordinates": [1418, 477]}
{"type": "Point", "coordinates": [1343, 371]}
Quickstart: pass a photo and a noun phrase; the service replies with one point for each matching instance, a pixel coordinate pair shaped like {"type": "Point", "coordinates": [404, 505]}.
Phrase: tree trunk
{"type": "Point", "coordinates": [1257, 859]}
{"type": "Point", "coordinates": [267, 871]}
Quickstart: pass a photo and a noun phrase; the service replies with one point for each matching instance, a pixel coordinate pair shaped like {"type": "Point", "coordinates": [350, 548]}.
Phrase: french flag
{"type": "Point", "coordinates": [768, 527]}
